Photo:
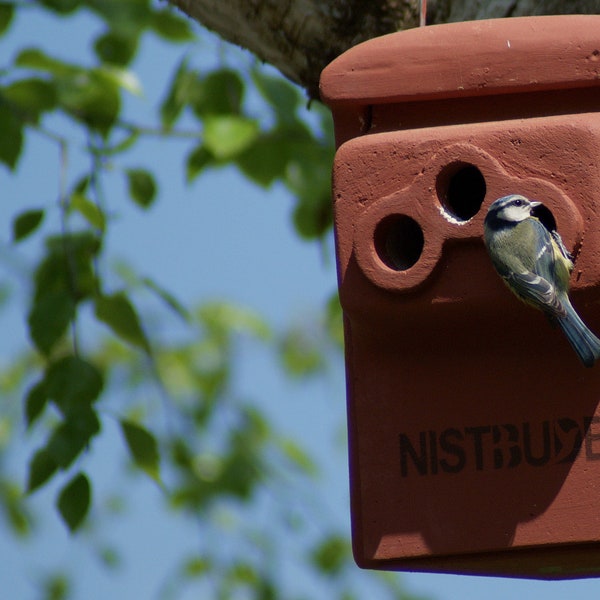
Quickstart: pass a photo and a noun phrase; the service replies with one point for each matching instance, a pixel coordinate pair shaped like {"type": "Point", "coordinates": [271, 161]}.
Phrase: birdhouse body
{"type": "Point", "coordinates": [474, 430]}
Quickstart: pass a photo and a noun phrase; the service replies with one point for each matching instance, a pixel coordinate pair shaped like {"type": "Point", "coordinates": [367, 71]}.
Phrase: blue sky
{"type": "Point", "coordinates": [220, 238]}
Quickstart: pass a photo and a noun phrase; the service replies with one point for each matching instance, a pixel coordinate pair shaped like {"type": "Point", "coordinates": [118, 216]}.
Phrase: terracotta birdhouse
{"type": "Point", "coordinates": [474, 430]}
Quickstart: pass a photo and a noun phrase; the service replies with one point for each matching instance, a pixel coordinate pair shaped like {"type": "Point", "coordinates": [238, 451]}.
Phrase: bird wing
{"type": "Point", "coordinates": [568, 257]}
{"type": "Point", "coordinates": [536, 279]}
{"type": "Point", "coordinates": [536, 290]}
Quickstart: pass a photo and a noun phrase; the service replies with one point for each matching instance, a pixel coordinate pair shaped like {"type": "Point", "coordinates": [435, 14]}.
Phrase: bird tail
{"type": "Point", "coordinates": [584, 342]}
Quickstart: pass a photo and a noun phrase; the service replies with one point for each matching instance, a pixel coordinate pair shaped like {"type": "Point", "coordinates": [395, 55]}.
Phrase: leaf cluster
{"type": "Point", "coordinates": [65, 395]}
{"type": "Point", "coordinates": [220, 454]}
{"type": "Point", "coordinates": [280, 148]}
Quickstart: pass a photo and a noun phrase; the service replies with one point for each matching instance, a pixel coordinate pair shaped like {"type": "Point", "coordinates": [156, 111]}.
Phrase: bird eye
{"type": "Point", "coordinates": [518, 202]}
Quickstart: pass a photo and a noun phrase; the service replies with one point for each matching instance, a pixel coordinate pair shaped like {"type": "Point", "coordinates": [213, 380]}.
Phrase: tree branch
{"type": "Point", "coordinates": [300, 37]}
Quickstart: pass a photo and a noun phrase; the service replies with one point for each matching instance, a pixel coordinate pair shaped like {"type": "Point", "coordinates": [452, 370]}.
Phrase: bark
{"type": "Point", "coordinates": [300, 37]}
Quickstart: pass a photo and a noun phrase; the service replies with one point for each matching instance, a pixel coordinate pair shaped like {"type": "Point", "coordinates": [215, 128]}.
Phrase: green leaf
{"type": "Point", "coordinates": [41, 467]}
{"type": "Point", "coordinates": [334, 320]}
{"type": "Point", "coordinates": [81, 245]}
{"type": "Point", "coordinates": [117, 312]}
{"type": "Point", "coordinates": [68, 267]}
{"type": "Point", "coordinates": [226, 136]}
{"type": "Point", "coordinates": [31, 96]}
{"type": "Point", "coordinates": [11, 140]}
{"type": "Point", "coordinates": [142, 447]}
{"type": "Point", "coordinates": [33, 58]}
{"type": "Point", "coordinates": [12, 503]}
{"type": "Point", "coordinates": [5, 294]}
{"type": "Point", "coordinates": [91, 97]}
{"type": "Point", "coordinates": [244, 466]}
{"type": "Point", "coordinates": [6, 14]}
{"type": "Point", "coordinates": [170, 26]}
{"type": "Point", "coordinates": [301, 355]}
{"type": "Point", "coordinates": [313, 217]}
{"type": "Point", "coordinates": [308, 176]}
{"type": "Point", "coordinates": [222, 320]}
{"type": "Point", "coordinates": [62, 7]}
{"type": "Point", "coordinates": [183, 89]}
{"type": "Point", "coordinates": [74, 501]}
{"type": "Point", "coordinates": [56, 587]}
{"type": "Point", "coordinates": [35, 402]}
{"type": "Point", "coordinates": [298, 456]}
{"type": "Point", "coordinates": [331, 555]}
{"type": "Point", "coordinates": [73, 384]}
{"type": "Point", "coordinates": [167, 298]}
{"type": "Point", "coordinates": [266, 160]}
{"type": "Point", "coordinates": [88, 210]}
{"type": "Point", "coordinates": [142, 187]}
{"type": "Point", "coordinates": [115, 76]}
{"type": "Point", "coordinates": [26, 223]}
{"type": "Point", "coordinates": [131, 16]}
{"type": "Point", "coordinates": [71, 437]}
{"type": "Point", "coordinates": [49, 318]}
{"type": "Point", "coordinates": [219, 93]}
{"type": "Point", "coordinates": [243, 573]}
{"type": "Point", "coordinates": [117, 47]}
{"type": "Point", "coordinates": [197, 566]}
{"type": "Point", "coordinates": [197, 160]}
{"type": "Point", "coordinates": [279, 93]}
{"type": "Point", "coordinates": [82, 185]}
{"type": "Point", "coordinates": [109, 557]}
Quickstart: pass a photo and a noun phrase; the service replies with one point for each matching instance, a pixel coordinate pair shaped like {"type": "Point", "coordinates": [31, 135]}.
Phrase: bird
{"type": "Point", "coordinates": [536, 266]}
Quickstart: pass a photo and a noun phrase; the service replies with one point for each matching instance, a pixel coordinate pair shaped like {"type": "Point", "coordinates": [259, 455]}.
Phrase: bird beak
{"type": "Point", "coordinates": [535, 203]}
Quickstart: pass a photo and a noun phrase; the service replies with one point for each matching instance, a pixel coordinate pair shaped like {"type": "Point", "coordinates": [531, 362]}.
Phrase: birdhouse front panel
{"type": "Point", "coordinates": [474, 428]}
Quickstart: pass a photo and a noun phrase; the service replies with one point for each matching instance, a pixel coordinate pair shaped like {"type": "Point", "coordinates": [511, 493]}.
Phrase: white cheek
{"type": "Point", "coordinates": [515, 213]}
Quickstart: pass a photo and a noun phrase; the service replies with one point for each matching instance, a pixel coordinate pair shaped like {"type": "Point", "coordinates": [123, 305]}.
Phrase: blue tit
{"type": "Point", "coordinates": [536, 266]}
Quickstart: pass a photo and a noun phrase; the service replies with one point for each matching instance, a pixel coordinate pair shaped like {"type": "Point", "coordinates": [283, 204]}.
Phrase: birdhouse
{"type": "Point", "coordinates": [474, 430]}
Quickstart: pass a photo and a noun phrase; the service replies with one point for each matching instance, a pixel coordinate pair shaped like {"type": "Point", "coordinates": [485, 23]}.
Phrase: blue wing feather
{"type": "Point", "coordinates": [584, 342]}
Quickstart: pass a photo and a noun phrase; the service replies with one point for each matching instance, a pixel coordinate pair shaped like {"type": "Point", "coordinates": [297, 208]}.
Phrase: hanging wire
{"type": "Point", "coordinates": [422, 13]}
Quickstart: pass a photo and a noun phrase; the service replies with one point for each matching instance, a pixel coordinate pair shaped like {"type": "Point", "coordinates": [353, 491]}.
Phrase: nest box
{"type": "Point", "coordinates": [474, 431]}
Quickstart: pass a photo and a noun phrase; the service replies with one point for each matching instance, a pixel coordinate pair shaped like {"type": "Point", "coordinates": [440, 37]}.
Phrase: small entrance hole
{"type": "Point", "coordinates": [399, 242]}
{"type": "Point", "coordinates": [544, 214]}
{"type": "Point", "coordinates": [461, 189]}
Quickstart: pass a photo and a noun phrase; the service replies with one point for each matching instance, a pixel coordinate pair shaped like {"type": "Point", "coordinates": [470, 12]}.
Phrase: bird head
{"type": "Point", "coordinates": [511, 209]}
